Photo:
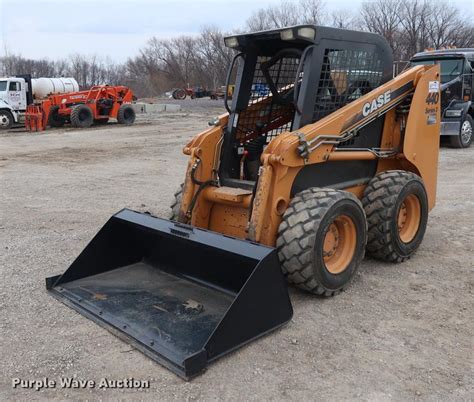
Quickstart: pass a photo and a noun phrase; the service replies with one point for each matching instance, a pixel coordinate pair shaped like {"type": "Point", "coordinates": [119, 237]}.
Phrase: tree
{"type": "Point", "coordinates": [287, 13]}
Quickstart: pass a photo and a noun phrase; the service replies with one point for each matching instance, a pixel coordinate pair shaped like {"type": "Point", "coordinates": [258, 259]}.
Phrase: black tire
{"type": "Point", "coordinates": [179, 94]}
{"type": "Point", "coordinates": [6, 120]}
{"type": "Point", "coordinates": [464, 138]}
{"type": "Point", "coordinates": [54, 119]}
{"type": "Point", "coordinates": [384, 200]}
{"type": "Point", "coordinates": [176, 205]}
{"type": "Point", "coordinates": [81, 116]}
{"type": "Point", "coordinates": [302, 234]}
{"type": "Point", "coordinates": [126, 115]}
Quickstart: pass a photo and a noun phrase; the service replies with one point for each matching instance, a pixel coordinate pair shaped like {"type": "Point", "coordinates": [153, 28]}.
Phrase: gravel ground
{"type": "Point", "coordinates": [399, 331]}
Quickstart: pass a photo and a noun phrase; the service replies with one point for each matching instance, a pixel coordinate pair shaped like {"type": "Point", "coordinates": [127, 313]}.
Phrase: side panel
{"type": "Point", "coordinates": [334, 174]}
{"type": "Point", "coordinates": [421, 145]}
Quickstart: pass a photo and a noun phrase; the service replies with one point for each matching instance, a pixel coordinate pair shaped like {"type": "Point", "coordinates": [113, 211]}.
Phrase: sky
{"type": "Point", "coordinates": [117, 29]}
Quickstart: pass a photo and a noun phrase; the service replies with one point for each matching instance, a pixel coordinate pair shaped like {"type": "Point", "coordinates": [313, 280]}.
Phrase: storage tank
{"type": "Point", "coordinates": [42, 87]}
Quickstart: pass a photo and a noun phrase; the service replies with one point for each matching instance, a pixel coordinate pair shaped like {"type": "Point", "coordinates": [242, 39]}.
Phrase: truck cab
{"type": "Point", "coordinates": [14, 98]}
{"type": "Point", "coordinates": [457, 80]}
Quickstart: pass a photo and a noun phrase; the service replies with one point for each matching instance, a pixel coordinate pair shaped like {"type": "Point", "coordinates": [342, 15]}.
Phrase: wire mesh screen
{"type": "Point", "coordinates": [345, 76]}
{"type": "Point", "coordinates": [267, 115]}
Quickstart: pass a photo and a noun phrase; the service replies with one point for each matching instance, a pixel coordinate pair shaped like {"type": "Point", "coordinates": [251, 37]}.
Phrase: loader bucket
{"type": "Point", "coordinates": [181, 295]}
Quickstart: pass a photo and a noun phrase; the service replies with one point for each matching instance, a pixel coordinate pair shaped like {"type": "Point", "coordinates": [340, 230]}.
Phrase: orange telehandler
{"type": "Point", "coordinates": [82, 108]}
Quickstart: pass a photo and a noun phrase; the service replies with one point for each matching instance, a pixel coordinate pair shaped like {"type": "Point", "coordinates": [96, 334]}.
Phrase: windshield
{"type": "Point", "coordinates": [3, 86]}
{"type": "Point", "coordinates": [450, 68]}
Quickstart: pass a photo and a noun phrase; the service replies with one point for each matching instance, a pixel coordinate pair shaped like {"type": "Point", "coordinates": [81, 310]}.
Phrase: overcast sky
{"type": "Point", "coordinates": [118, 28]}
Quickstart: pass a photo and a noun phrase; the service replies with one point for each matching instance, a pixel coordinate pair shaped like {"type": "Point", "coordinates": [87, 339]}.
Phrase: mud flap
{"type": "Point", "coordinates": [181, 295]}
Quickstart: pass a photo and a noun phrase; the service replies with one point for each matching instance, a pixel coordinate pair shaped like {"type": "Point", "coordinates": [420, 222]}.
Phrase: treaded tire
{"type": "Point", "coordinates": [81, 116]}
{"type": "Point", "coordinates": [457, 141]}
{"type": "Point", "coordinates": [176, 204]}
{"type": "Point", "coordinates": [382, 200]}
{"type": "Point", "coordinates": [6, 120]}
{"type": "Point", "coordinates": [54, 119]}
{"type": "Point", "coordinates": [126, 115]}
{"type": "Point", "coordinates": [179, 94]}
{"type": "Point", "coordinates": [301, 239]}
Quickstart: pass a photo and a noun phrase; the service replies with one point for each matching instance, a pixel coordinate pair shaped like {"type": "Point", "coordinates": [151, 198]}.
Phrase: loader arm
{"type": "Point", "coordinates": [408, 142]}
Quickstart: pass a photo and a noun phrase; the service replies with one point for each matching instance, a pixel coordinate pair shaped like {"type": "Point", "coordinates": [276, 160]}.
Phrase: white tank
{"type": "Point", "coordinates": [42, 87]}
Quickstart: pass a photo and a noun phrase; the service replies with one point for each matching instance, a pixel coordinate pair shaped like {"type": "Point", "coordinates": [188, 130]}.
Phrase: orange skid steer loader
{"type": "Point", "coordinates": [320, 158]}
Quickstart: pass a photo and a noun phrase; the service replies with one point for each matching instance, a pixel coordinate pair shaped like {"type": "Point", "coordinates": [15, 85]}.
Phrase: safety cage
{"type": "Point", "coordinates": [283, 82]}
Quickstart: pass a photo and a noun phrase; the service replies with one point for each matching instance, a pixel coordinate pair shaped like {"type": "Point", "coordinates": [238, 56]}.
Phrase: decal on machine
{"type": "Point", "coordinates": [433, 86]}
{"type": "Point", "coordinates": [376, 103]}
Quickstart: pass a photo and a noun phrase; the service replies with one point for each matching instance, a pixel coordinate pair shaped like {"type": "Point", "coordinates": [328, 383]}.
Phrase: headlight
{"type": "Point", "coordinates": [307, 33]}
{"type": "Point", "coordinates": [287, 34]}
{"type": "Point", "coordinates": [453, 113]}
{"type": "Point", "coordinates": [231, 41]}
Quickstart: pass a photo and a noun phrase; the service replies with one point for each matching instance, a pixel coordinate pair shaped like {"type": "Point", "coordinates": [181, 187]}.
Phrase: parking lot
{"type": "Point", "coordinates": [398, 332]}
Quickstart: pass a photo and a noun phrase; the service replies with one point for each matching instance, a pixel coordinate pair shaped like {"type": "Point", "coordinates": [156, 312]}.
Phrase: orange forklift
{"type": "Point", "coordinates": [82, 108]}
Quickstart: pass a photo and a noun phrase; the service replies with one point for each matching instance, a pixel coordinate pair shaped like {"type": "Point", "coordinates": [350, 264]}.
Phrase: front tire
{"type": "Point", "coordinates": [55, 120]}
{"type": "Point", "coordinates": [396, 206]}
{"type": "Point", "coordinates": [321, 240]}
{"type": "Point", "coordinates": [6, 120]}
{"type": "Point", "coordinates": [81, 116]}
{"type": "Point", "coordinates": [464, 138]}
{"type": "Point", "coordinates": [176, 205]}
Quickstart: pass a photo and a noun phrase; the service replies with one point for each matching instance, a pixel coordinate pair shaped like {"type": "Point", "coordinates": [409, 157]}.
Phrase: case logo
{"type": "Point", "coordinates": [376, 103]}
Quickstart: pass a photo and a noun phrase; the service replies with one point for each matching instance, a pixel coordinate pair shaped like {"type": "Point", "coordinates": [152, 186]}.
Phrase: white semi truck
{"type": "Point", "coordinates": [17, 92]}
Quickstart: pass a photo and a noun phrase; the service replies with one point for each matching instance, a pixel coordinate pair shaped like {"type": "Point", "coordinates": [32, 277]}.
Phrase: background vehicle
{"type": "Point", "coordinates": [17, 92]}
{"type": "Point", "coordinates": [193, 93]}
{"type": "Point", "coordinates": [337, 158]}
{"type": "Point", "coordinates": [457, 92]}
{"type": "Point", "coordinates": [55, 101]}
{"type": "Point", "coordinates": [82, 108]}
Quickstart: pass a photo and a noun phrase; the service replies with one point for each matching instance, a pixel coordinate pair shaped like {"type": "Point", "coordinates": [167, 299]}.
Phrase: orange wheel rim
{"type": "Point", "coordinates": [339, 244]}
{"type": "Point", "coordinates": [409, 217]}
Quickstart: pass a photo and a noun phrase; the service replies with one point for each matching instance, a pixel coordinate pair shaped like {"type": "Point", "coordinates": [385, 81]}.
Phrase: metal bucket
{"type": "Point", "coordinates": [183, 296]}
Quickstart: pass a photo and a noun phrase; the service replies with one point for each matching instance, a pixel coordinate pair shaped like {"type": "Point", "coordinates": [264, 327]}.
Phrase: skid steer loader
{"type": "Point", "coordinates": [320, 157]}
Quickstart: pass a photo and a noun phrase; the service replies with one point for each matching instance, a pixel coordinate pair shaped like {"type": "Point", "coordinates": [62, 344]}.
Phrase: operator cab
{"type": "Point", "coordinates": [13, 92]}
{"type": "Point", "coordinates": [287, 78]}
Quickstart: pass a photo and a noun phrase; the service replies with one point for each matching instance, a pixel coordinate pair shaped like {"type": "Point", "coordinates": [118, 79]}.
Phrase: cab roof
{"type": "Point", "coordinates": [445, 53]}
{"type": "Point", "coordinates": [299, 36]}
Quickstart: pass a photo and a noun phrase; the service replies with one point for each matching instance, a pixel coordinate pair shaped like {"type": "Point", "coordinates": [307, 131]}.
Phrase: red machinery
{"type": "Point", "coordinates": [193, 93]}
{"type": "Point", "coordinates": [82, 108]}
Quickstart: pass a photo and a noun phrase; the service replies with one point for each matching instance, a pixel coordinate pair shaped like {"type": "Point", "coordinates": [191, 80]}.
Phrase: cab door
{"type": "Point", "coordinates": [16, 95]}
{"type": "Point", "coordinates": [468, 80]}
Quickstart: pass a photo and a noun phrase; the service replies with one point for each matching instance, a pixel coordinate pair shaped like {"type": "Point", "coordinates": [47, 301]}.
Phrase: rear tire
{"type": "Point", "coordinates": [54, 119]}
{"type": "Point", "coordinates": [176, 205]}
{"type": "Point", "coordinates": [81, 116]}
{"type": "Point", "coordinates": [179, 94]}
{"type": "Point", "coordinates": [321, 240]}
{"type": "Point", "coordinates": [126, 115]}
{"type": "Point", "coordinates": [6, 120]}
{"type": "Point", "coordinates": [396, 206]}
{"type": "Point", "coordinates": [464, 138]}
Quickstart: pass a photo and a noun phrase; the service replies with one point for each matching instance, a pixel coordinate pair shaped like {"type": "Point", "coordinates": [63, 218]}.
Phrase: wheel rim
{"type": "Point", "coordinates": [4, 120]}
{"type": "Point", "coordinates": [409, 217]}
{"type": "Point", "coordinates": [466, 132]}
{"type": "Point", "coordinates": [339, 244]}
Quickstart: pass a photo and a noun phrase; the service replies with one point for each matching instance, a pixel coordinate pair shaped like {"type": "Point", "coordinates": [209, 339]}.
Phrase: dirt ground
{"type": "Point", "coordinates": [399, 332]}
